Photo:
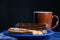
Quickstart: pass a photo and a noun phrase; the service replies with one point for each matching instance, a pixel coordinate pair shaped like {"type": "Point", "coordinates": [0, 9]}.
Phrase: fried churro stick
{"type": "Point", "coordinates": [22, 30]}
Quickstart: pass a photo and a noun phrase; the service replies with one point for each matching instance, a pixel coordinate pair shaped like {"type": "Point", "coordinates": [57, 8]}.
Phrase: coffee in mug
{"type": "Point", "coordinates": [44, 17]}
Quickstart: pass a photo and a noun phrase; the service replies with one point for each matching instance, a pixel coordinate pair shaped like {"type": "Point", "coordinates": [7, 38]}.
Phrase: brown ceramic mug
{"type": "Point", "coordinates": [45, 17]}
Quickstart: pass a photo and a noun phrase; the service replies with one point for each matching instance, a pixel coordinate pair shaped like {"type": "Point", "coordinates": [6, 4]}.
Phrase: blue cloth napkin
{"type": "Point", "coordinates": [4, 37]}
{"type": "Point", "coordinates": [56, 36]}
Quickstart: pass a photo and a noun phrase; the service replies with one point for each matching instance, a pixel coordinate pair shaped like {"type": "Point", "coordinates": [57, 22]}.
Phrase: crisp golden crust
{"type": "Point", "coordinates": [21, 30]}
{"type": "Point", "coordinates": [18, 30]}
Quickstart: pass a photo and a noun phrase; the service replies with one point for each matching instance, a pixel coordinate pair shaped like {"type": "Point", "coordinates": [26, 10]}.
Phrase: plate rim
{"type": "Point", "coordinates": [29, 35]}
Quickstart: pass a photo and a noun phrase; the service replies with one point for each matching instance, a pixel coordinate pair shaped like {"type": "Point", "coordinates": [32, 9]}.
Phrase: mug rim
{"type": "Point", "coordinates": [42, 12]}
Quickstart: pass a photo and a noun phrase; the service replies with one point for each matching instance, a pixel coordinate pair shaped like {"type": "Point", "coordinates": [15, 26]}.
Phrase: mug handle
{"type": "Point", "coordinates": [56, 21]}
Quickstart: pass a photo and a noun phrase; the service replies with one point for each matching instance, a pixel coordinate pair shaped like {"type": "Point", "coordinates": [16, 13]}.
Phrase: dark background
{"type": "Point", "coordinates": [14, 11]}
